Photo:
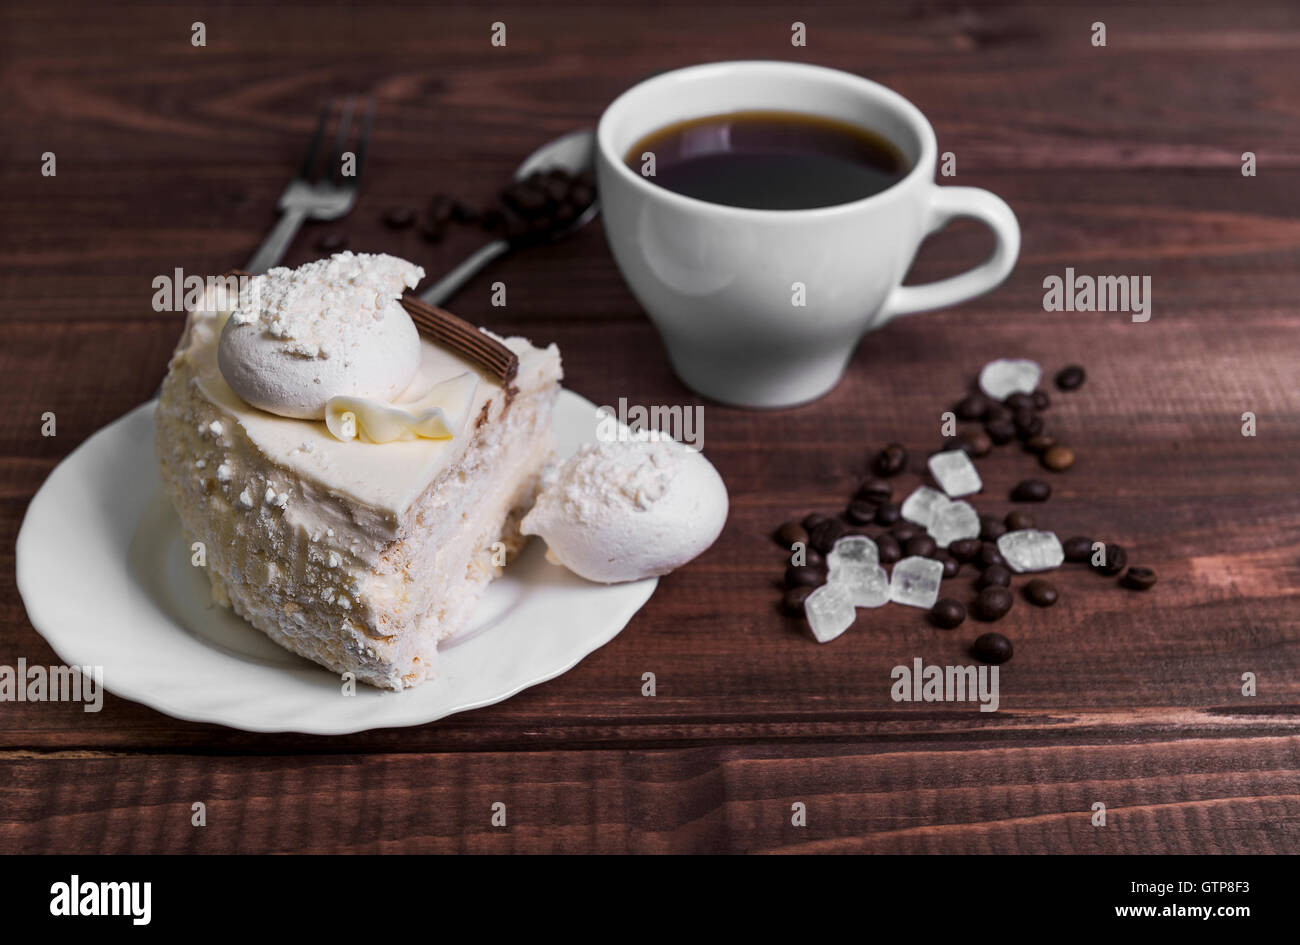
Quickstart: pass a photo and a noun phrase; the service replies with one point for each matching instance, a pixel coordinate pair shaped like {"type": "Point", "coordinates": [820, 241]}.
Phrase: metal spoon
{"type": "Point", "coordinates": [573, 152]}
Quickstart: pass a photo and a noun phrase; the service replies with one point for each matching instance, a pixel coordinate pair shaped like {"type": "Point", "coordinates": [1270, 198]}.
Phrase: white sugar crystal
{"type": "Point", "coordinates": [920, 506]}
{"type": "Point", "coordinates": [830, 612]}
{"type": "Point", "coordinates": [1031, 550]}
{"type": "Point", "coordinates": [953, 522]}
{"type": "Point", "coordinates": [867, 584]}
{"type": "Point", "coordinates": [916, 582]}
{"type": "Point", "coordinates": [853, 550]}
{"type": "Point", "coordinates": [1003, 377]}
{"type": "Point", "coordinates": [955, 473]}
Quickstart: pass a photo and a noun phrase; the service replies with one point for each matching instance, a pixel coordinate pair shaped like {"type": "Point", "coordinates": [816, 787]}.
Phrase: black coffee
{"type": "Point", "coordinates": [768, 160]}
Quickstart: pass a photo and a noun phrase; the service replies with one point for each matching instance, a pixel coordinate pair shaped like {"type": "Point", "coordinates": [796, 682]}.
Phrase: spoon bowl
{"type": "Point", "coordinates": [575, 153]}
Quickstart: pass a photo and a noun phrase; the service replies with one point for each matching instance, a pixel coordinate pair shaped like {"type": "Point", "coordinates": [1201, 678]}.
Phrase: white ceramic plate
{"type": "Point", "coordinates": [107, 580]}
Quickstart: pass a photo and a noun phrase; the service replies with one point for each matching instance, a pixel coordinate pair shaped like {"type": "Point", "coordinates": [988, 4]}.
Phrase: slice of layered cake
{"type": "Point", "coordinates": [355, 482]}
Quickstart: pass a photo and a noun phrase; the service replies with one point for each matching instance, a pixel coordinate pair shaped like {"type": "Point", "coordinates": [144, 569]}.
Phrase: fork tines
{"type": "Point", "coordinates": [333, 169]}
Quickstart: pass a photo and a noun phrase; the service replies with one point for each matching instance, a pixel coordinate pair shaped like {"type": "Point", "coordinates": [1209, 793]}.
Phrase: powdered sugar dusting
{"type": "Point", "coordinates": [604, 474]}
{"type": "Point", "coordinates": [326, 308]}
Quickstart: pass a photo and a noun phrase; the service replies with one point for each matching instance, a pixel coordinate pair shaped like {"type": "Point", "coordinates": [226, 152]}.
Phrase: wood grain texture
{"type": "Point", "coordinates": [1123, 160]}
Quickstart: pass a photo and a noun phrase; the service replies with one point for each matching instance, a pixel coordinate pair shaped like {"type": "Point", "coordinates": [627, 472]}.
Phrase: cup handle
{"type": "Point", "coordinates": [946, 204]}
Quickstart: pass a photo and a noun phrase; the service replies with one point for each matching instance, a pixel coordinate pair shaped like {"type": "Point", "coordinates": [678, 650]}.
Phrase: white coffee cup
{"type": "Point", "coordinates": [719, 281]}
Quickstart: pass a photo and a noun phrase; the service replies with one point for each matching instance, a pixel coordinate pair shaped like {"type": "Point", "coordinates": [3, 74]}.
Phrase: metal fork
{"type": "Point", "coordinates": [324, 196]}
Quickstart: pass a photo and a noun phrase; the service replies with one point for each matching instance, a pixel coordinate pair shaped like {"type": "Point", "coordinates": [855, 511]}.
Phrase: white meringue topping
{"type": "Point", "coordinates": [330, 328]}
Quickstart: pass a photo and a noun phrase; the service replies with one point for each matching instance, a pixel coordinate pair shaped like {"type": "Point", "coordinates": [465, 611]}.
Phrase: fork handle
{"type": "Point", "coordinates": [277, 241]}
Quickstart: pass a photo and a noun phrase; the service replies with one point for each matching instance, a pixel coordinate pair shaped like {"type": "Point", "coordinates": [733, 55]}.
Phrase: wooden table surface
{"type": "Point", "coordinates": [1120, 160]}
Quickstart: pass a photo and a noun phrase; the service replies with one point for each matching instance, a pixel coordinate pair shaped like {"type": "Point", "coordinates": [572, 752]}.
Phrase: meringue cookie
{"type": "Point", "coordinates": [624, 511]}
{"type": "Point", "coordinates": [331, 328]}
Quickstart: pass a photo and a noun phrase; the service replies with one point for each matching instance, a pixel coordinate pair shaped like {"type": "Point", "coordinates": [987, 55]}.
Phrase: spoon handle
{"type": "Point", "coordinates": [450, 284]}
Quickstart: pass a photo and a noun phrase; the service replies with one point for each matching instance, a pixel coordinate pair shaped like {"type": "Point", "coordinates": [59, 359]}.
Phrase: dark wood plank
{"type": "Point", "coordinates": [1174, 796]}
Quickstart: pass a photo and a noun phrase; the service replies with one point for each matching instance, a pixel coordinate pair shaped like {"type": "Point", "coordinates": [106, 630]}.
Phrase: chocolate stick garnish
{"type": "Point", "coordinates": [463, 338]}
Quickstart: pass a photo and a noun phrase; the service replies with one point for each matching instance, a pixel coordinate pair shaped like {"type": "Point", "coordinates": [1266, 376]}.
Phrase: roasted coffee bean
{"type": "Point", "coordinates": [950, 564]}
{"type": "Point", "coordinates": [516, 227]}
{"type": "Point", "coordinates": [1139, 579]}
{"type": "Point", "coordinates": [463, 212]}
{"type": "Point", "coordinates": [1000, 431]}
{"type": "Point", "coordinates": [557, 188]}
{"type": "Point", "coordinates": [976, 444]}
{"type": "Point", "coordinates": [947, 613]}
{"type": "Point", "coordinates": [904, 531]}
{"type": "Point", "coordinates": [1041, 399]}
{"type": "Point", "coordinates": [791, 532]}
{"type": "Point", "coordinates": [804, 575]}
{"type": "Point", "coordinates": [920, 546]}
{"type": "Point", "coordinates": [813, 558]}
{"type": "Point", "coordinates": [863, 530]}
{"type": "Point", "coordinates": [1019, 401]}
{"type": "Point", "coordinates": [526, 198]}
{"type": "Point", "coordinates": [1041, 592]}
{"type": "Point", "coordinates": [887, 514]}
{"type": "Point", "coordinates": [331, 242]}
{"type": "Point", "coordinates": [792, 601]}
{"type": "Point", "coordinates": [972, 407]}
{"type": "Point", "coordinates": [995, 575]}
{"type": "Point", "coordinates": [1040, 443]}
{"type": "Point", "coordinates": [991, 528]}
{"type": "Point", "coordinates": [433, 232]}
{"type": "Point", "coordinates": [1018, 521]}
{"type": "Point", "coordinates": [888, 548]}
{"type": "Point", "coordinates": [989, 556]}
{"type": "Point", "coordinates": [813, 519]}
{"type": "Point", "coordinates": [993, 603]}
{"type": "Point", "coordinates": [824, 536]}
{"type": "Point", "coordinates": [399, 218]}
{"type": "Point", "coordinates": [1058, 458]}
{"type": "Point", "coordinates": [443, 209]}
{"type": "Point", "coordinates": [861, 513]}
{"type": "Point", "coordinates": [875, 491]}
{"type": "Point", "coordinates": [1077, 548]}
{"type": "Point", "coordinates": [992, 648]}
{"type": "Point", "coordinates": [964, 549]}
{"type": "Point", "coordinates": [1115, 559]}
{"type": "Point", "coordinates": [997, 411]}
{"type": "Point", "coordinates": [1031, 490]}
{"type": "Point", "coordinates": [891, 460]}
{"type": "Point", "coordinates": [1028, 423]}
{"type": "Point", "coordinates": [1071, 377]}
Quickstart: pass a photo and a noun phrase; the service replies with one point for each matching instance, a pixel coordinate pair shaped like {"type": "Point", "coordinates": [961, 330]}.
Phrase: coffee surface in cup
{"type": "Point", "coordinates": [769, 160]}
